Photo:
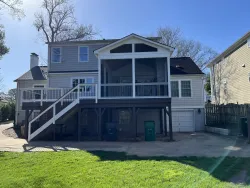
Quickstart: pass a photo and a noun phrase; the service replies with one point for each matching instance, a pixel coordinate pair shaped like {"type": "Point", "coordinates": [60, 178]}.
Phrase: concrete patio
{"type": "Point", "coordinates": [185, 144]}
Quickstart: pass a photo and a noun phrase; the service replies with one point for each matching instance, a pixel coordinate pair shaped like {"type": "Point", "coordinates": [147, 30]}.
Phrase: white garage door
{"type": "Point", "coordinates": [183, 121]}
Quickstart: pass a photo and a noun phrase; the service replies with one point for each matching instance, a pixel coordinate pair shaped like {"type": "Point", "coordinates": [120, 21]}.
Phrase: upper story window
{"type": "Point", "coordinates": [174, 88]}
{"type": "Point", "coordinates": [186, 88]}
{"type": "Point", "coordinates": [144, 48]}
{"type": "Point", "coordinates": [56, 54]}
{"type": "Point", "coordinates": [83, 55]}
{"type": "Point", "coordinates": [125, 48]}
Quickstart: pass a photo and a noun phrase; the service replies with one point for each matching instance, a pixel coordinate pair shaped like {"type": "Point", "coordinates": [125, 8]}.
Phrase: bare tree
{"type": "Point", "coordinates": [57, 22]}
{"type": "Point", "coordinates": [224, 72]}
{"type": "Point", "coordinates": [200, 53]}
{"type": "Point", "coordinates": [13, 6]}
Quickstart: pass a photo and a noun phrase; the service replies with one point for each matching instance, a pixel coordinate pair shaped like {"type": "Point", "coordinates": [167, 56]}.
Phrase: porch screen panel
{"type": "Point", "coordinates": [125, 48]}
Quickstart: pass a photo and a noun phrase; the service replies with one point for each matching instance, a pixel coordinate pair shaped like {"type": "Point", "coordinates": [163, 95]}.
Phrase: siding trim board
{"type": "Point", "coordinates": [65, 72]}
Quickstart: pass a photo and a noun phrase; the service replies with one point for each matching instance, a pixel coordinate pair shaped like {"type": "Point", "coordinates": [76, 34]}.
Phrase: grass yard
{"type": "Point", "coordinates": [110, 169]}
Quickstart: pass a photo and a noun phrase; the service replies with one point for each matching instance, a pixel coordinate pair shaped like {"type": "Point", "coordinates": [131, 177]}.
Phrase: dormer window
{"type": "Point", "coordinates": [83, 54]}
{"type": "Point", "coordinates": [56, 54]}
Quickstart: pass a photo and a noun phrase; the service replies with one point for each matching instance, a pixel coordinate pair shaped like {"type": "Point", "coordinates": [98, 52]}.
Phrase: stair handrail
{"type": "Point", "coordinates": [60, 100]}
{"type": "Point", "coordinates": [53, 106]}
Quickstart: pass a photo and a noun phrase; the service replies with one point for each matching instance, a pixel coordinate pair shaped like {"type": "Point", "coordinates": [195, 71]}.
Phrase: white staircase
{"type": "Point", "coordinates": [72, 98]}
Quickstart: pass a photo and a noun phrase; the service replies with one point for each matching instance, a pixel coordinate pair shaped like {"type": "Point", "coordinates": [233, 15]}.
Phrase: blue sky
{"type": "Point", "coordinates": [214, 23]}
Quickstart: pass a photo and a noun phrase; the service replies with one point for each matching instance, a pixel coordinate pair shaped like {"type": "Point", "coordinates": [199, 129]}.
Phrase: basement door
{"type": "Point", "coordinates": [183, 121]}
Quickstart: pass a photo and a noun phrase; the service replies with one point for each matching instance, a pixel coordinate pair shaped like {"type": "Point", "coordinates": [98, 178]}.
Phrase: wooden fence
{"type": "Point", "coordinates": [226, 116]}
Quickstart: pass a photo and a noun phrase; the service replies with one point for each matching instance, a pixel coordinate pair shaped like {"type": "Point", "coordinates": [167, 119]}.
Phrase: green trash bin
{"type": "Point", "coordinates": [244, 126]}
{"type": "Point", "coordinates": [149, 130]}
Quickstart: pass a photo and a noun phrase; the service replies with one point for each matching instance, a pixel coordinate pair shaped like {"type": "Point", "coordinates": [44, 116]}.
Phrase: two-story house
{"type": "Point", "coordinates": [230, 73]}
{"type": "Point", "coordinates": [95, 89]}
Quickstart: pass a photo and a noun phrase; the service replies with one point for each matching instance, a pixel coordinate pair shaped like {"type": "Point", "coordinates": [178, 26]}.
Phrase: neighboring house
{"type": "Point", "coordinates": [230, 73]}
{"type": "Point", "coordinates": [98, 88]}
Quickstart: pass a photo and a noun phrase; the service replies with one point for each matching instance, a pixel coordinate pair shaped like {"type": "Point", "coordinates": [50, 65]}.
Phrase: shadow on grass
{"type": "Point", "coordinates": [223, 168]}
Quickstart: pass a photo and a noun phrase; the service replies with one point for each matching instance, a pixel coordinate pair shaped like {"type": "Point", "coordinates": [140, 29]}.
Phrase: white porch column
{"type": "Point", "coordinates": [169, 81]}
{"type": "Point", "coordinates": [99, 78]}
{"type": "Point", "coordinates": [133, 76]}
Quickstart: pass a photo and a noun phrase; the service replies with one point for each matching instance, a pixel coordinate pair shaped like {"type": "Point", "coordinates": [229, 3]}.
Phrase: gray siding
{"type": "Point", "coordinates": [197, 89]}
{"type": "Point", "coordinates": [20, 114]}
{"type": "Point", "coordinates": [64, 80]}
{"type": "Point", "coordinates": [70, 59]}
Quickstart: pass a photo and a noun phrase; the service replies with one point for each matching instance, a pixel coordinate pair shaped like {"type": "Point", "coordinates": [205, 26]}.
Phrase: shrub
{"type": "Point", "coordinates": [6, 112]}
{"type": "Point", "coordinates": [12, 110]}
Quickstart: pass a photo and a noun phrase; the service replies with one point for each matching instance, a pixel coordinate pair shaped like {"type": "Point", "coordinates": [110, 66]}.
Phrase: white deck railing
{"type": "Point", "coordinates": [86, 91]}
{"type": "Point", "coordinates": [89, 91]}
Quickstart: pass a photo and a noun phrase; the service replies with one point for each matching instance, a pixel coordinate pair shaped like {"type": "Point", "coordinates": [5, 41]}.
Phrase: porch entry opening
{"type": "Point", "coordinates": [86, 88]}
{"type": "Point", "coordinates": [38, 93]}
{"type": "Point", "coordinates": [151, 77]}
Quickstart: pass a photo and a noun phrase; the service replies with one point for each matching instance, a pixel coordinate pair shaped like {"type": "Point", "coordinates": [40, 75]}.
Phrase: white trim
{"type": "Point", "coordinates": [169, 81]}
{"type": "Point", "coordinates": [96, 52]}
{"type": "Point", "coordinates": [179, 85]}
{"type": "Point", "coordinates": [190, 88]}
{"type": "Point", "coordinates": [184, 75]}
{"type": "Point", "coordinates": [51, 54]}
{"type": "Point", "coordinates": [139, 55]}
{"type": "Point", "coordinates": [99, 77]}
{"type": "Point", "coordinates": [74, 72]}
{"type": "Point", "coordinates": [133, 77]}
{"type": "Point", "coordinates": [187, 107]}
{"type": "Point", "coordinates": [44, 85]}
{"type": "Point", "coordinates": [178, 88]}
{"type": "Point", "coordinates": [79, 54]}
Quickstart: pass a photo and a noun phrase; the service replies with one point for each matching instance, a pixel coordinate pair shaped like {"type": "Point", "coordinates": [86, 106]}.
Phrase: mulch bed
{"type": "Point", "coordinates": [11, 132]}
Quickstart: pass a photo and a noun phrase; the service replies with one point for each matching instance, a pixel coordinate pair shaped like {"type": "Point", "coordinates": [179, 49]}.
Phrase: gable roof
{"type": "Point", "coordinates": [183, 65]}
{"type": "Point", "coordinates": [36, 73]}
{"type": "Point", "coordinates": [230, 49]}
{"type": "Point", "coordinates": [97, 41]}
{"type": "Point", "coordinates": [136, 36]}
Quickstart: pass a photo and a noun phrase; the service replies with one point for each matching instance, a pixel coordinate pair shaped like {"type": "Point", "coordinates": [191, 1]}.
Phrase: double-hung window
{"type": "Point", "coordinates": [56, 54]}
{"type": "Point", "coordinates": [86, 85]}
{"type": "Point", "coordinates": [186, 88]}
{"type": "Point", "coordinates": [83, 54]}
{"type": "Point", "coordinates": [174, 88]}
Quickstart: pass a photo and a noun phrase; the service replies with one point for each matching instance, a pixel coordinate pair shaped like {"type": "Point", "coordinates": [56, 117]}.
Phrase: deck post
{"type": "Point", "coordinates": [165, 112]}
{"type": "Point", "coordinates": [100, 123]}
{"type": "Point", "coordinates": [79, 124]}
{"type": "Point", "coordinates": [134, 120]}
{"type": "Point", "coordinates": [170, 122]}
{"type": "Point", "coordinates": [26, 126]}
{"type": "Point", "coordinates": [161, 120]}
{"type": "Point", "coordinates": [133, 77]}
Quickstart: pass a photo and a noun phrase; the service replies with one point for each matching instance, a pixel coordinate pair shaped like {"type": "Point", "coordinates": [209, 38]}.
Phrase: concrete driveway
{"type": "Point", "coordinates": [197, 144]}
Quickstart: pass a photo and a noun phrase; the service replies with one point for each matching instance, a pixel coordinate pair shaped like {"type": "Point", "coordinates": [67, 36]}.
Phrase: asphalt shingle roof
{"type": "Point", "coordinates": [179, 65]}
{"type": "Point", "coordinates": [183, 65]}
{"type": "Point", "coordinates": [36, 73]}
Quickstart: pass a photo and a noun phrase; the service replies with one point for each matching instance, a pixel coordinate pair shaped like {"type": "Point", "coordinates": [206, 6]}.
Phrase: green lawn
{"type": "Point", "coordinates": [109, 169]}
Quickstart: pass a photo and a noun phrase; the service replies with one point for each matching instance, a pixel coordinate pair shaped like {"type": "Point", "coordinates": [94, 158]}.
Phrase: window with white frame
{"type": "Point", "coordinates": [83, 54]}
{"type": "Point", "coordinates": [86, 84]}
{"type": "Point", "coordinates": [174, 88]}
{"type": "Point", "coordinates": [186, 88]}
{"type": "Point", "coordinates": [56, 54]}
